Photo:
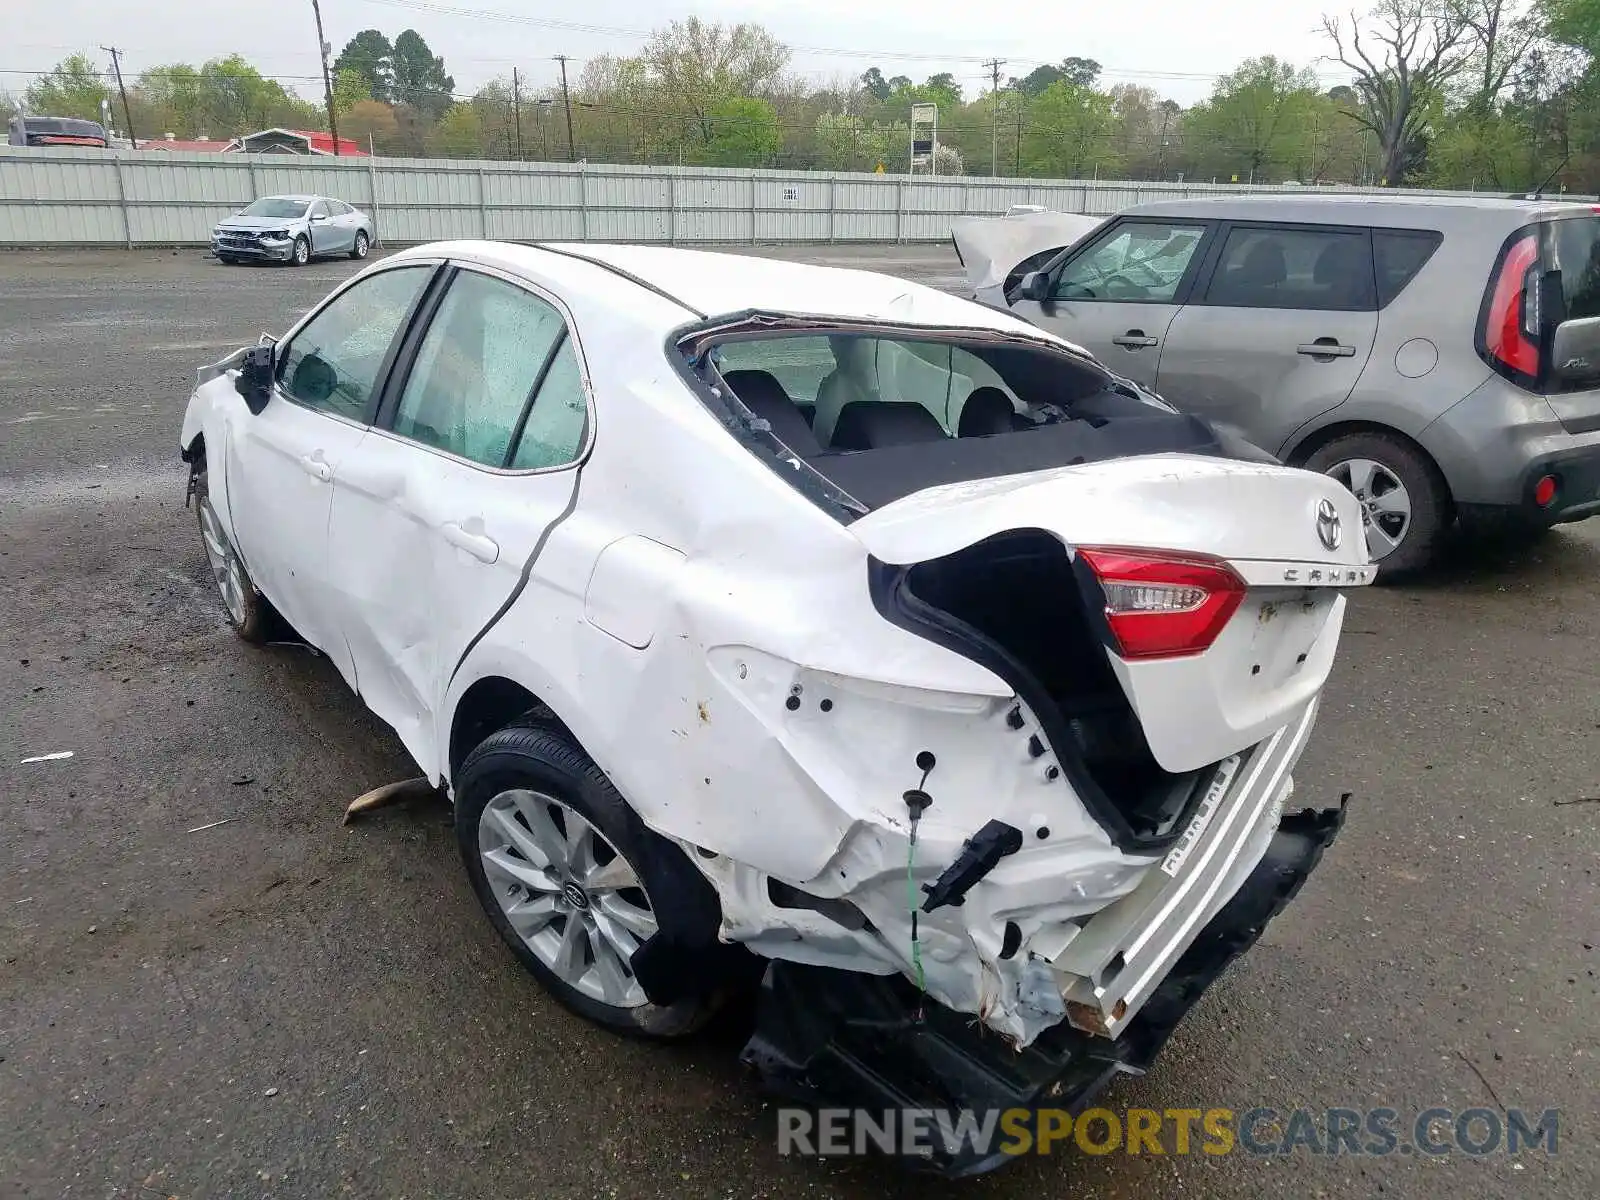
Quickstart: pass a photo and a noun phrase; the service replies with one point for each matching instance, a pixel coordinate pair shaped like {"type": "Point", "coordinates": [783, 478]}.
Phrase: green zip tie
{"type": "Point", "coordinates": [911, 901]}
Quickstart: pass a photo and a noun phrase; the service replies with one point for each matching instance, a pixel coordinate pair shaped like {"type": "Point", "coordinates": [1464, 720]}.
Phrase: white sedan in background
{"type": "Point", "coordinates": [767, 620]}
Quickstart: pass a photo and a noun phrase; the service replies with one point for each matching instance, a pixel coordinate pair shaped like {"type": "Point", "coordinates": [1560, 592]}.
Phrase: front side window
{"type": "Point", "coordinates": [332, 363]}
{"type": "Point", "coordinates": [1134, 261]}
{"type": "Point", "coordinates": [1316, 269]}
{"type": "Point", "coordinates": [490, 344]}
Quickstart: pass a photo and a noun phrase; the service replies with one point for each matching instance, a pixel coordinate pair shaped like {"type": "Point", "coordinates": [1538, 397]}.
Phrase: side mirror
{"type": "Point", "coordinates": [1035, 286]}
{"type": "Point", "coordinates": [254, 381]}
{"type": "Point", "coordinates": [1575, 352]}
{"type": "Point", "coordinates": [318, 218]}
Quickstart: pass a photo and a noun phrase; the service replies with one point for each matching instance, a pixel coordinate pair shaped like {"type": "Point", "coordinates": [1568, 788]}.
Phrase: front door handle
{"type": "Point", "coordinates": [1326, 348]}
{"type": "Point", "coordinates": [316, 466]}
{"type": "Point", "coordinates": [1134, 339]}
{"type": "Point", "coordinates": [474, 541]}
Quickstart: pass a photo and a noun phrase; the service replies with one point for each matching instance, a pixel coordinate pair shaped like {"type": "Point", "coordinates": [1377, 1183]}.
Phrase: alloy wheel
{"type": "Point", "coordinates": [1385, 503]}
{"type": "Point", "coordinates": [575, 902]}
{"type": "Point", "coordinates": [226, 569]}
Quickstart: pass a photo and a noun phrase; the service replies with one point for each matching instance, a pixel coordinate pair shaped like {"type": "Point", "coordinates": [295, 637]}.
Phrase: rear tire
{"type": "Point", "coordinates": [574, 919]}
{"type": "Point", "coordinates": [249, 612]}
{"type": "Point", "coordinates": [358, 249]}
{"type": "Point", "coordinates": [1406, 508]}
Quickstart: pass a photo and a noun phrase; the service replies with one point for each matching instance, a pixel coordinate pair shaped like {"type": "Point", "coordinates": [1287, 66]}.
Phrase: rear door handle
{"type": "Point", "coordinates": [482, 547]}
{"type": "Point", "coordinates": [1133, 339]}
{"type": "Point", "coordinates": [1326, 348]}
{"type": "Point", "coordinates": [316, 466]}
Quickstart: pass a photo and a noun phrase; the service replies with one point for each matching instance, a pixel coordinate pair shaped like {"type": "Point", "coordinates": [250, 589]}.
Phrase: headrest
{"type": "Point", "coordinates": [987, 410]}
{"type": "Point", "coordinates": [873, 424]}
{"type": "Point", "coordinates": [764, 396]}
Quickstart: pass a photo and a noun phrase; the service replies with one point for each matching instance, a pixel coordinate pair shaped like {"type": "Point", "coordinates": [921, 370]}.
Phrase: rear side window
{"type": "Point", "coordinates": [1574, 250]}
{"type": "Point", "coordinates": [1279, 267]}
{"type": "Point", "coordinates": [489, 346]}
{"type": "Point", "coordinates": [1399, 254]}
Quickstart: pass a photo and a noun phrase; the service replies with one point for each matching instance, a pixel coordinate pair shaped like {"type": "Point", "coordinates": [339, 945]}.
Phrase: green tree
{"type": "Point", "coordinates": [349, 89]}
{"type": "Point", "coordinates": [1067, 132]}
{"type": "Point", "coordinates": [369, 55]}
{"type": "Point", "coordinates": [459, 133]}
{"type": "Point", "coordinates": [1079, 72]}
{"type": "Point", "coordinates": [1258, 122]}
{"type": "Point", "coordinates": [74, 87]}
{"type": "Point", "coordinates": [875, 84]}
{"type": "Point", "coordinates": [744, 133]}
{"type": "Point", "coordinates": [694, 66]}
{"type": "Point", "coordinates": [420, 79]}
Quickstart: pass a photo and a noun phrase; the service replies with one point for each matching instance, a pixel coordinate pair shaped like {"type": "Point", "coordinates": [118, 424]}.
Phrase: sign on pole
{"type": "Point", "coordinates": [925, 136]}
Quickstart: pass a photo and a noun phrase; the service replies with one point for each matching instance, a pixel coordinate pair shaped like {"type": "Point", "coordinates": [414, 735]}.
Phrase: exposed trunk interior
{"type": "Point", "coordinates": [1019, 591]}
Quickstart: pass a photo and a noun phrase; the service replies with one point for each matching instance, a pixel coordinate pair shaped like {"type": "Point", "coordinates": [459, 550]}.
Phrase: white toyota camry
{"type": "Point", "coordinates": [781, 622]}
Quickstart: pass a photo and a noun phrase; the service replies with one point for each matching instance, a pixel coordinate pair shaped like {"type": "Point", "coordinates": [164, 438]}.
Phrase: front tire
{"type": "Point", "coordinates": [301, 254]}
{"type": "Point", "coordinates": [359, 248]}
{"type": "Point", "coordinates": [249, 612]}
{"type": "Point", "coordinates": [1405, 505]}
{"type": "Point", "coordinates": [572, 879]}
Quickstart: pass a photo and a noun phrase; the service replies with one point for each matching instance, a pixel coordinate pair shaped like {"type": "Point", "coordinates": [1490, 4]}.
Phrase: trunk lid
{"type": "Point", "coordinates": [1221, 507]}
{"type": "Point", "coordinates": [1269, 525]}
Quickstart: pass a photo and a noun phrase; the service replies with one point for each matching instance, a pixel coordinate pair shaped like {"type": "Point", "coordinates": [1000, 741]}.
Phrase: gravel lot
{"type": "Point", "coordinates": [281, 1006]}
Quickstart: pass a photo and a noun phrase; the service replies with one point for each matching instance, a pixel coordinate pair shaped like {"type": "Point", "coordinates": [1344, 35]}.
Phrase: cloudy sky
{"type": "Point", "coordinates": [1171, 45]}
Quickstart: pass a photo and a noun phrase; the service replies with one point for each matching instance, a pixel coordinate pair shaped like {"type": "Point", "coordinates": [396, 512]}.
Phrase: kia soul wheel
{"type": "Point", "coordinates": [1405, 508]}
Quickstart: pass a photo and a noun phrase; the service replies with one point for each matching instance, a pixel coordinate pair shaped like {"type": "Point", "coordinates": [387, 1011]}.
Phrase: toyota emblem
{"type": "Point", "coordinates": [1329, 527]}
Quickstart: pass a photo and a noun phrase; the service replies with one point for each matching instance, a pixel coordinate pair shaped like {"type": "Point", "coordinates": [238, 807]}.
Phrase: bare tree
{"type": "Point", "coordinates": [1501, 38]}
{"type": "Point", "coordinates": [1402, 55]}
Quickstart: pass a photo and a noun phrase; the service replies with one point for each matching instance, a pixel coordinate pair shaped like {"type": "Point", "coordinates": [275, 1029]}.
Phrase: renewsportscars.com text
{"type": "Point", "coordinates": [1375, 1132]}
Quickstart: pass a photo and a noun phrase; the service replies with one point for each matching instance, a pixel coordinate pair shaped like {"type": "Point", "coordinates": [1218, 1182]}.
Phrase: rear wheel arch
{"type": "Point", "coordinates": [489, 705]}
{"type": "Point", "coordinates": [1302, 450]}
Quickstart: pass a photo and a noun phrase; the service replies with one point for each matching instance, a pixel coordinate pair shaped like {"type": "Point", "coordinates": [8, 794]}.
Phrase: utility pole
{"type": "Point", "coordinates": [994, 65]}
{"type": "Point", "coordinates": [127, 115]}
{"type": "Point", "coordinates": [566, 100]}
{"type": "Point", "coordinates": [327, 82]}
{"type": "Point", "coordinates": [516, 106]}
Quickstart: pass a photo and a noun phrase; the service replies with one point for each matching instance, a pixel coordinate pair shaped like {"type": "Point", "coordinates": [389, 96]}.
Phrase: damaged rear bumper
{"type": "Point", "coordinates": [829, 1038]}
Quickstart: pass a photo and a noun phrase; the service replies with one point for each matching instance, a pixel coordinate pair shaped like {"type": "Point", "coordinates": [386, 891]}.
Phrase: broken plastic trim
{"type": "Point", "coordinates": [832, 1038]}
{"type": "Point", "coordinates": [891, 595]}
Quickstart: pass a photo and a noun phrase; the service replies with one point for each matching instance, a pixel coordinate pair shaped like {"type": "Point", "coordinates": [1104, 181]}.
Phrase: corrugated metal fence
{"type": "Point", "coordinates": [148, 198]}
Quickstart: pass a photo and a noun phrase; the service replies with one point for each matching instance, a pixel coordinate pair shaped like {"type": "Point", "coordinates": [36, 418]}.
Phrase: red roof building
{"type": "Point", "coordinates": [267, 141]}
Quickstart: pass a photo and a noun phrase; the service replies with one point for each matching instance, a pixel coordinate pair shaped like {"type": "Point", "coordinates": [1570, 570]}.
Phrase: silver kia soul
{"type": "Point", "coordinates": [1438, 356]}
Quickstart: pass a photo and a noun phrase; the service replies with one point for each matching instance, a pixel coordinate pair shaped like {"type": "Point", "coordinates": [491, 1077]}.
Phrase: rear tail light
{"type": "Point", "coordinates": [1511, 322]}
{"type": "Point", "coordinates": [1161, 604]}
{"type": "Point", "coordinates": [1544, 492]}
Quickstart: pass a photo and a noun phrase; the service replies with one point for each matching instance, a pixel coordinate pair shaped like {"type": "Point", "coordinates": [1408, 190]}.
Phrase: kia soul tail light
{"type": "Point", "coordinates": [1509, 330]}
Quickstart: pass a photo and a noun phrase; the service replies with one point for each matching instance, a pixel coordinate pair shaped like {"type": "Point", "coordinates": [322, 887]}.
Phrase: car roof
{"type": "Point", "coordinates": [718, 283]}
{"type": "Point", "coordinates": [1332, 208]}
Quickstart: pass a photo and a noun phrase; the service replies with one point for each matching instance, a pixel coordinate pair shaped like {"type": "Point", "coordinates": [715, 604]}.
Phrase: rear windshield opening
{"type": "Point", "coordinates": [882, 417]}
